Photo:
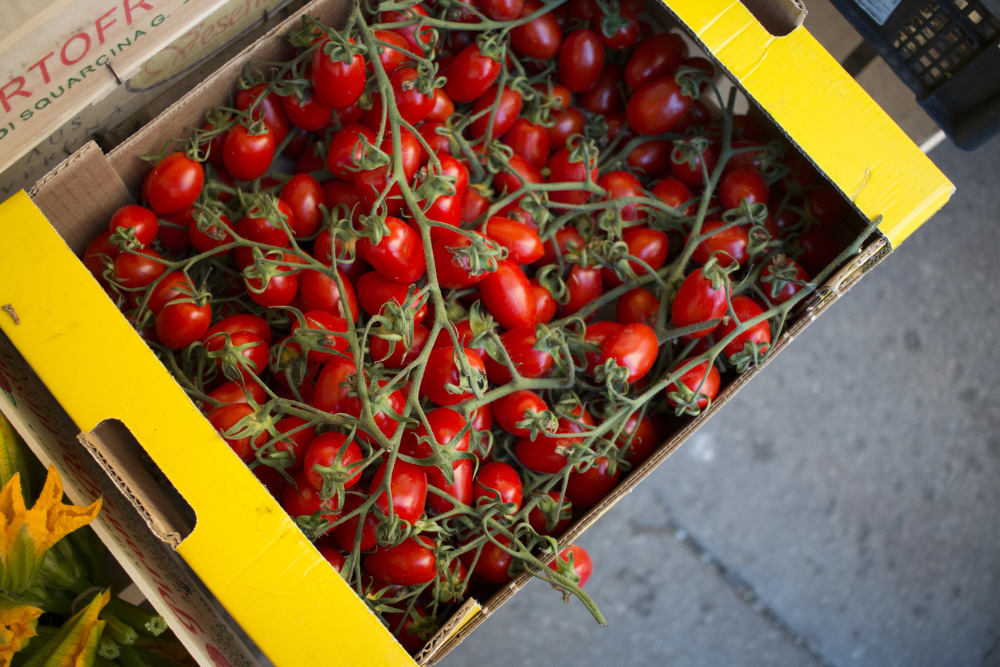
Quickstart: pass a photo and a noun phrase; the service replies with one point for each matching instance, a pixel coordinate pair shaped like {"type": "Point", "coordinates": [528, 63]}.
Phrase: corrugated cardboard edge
{"type": "Point", "coordinates": [60, 192]}
{"type": "Point", "coordinates": [834, 288]}
{"type": "Point", "coordinates": [148, 500]}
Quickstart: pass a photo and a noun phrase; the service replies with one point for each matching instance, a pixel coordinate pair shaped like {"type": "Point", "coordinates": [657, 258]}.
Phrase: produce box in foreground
{"type": "Point", "coordinates": [141, 426]}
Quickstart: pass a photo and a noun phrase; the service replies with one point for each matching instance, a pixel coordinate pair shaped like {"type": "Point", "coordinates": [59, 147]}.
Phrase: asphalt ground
{"type": "Point", "coordinates": [840, 511]}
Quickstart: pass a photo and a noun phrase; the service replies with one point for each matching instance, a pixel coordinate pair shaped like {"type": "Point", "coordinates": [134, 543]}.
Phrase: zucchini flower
{"type": "Point", "coordinates": [27, 534]}
{"type": "Point", "coordinates": [17, 626]}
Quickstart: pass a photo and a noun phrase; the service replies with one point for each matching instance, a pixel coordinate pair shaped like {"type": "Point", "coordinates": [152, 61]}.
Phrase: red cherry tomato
{"type": "Point", "coordinates": [471, 75]}
{"type": "Point", "coordinates": [497, 481]}
{"type": "Point", "coordinates": [657, 106]}
{"type": "Point", "coordinates": [776, 288]}
{"type": "Point", "coordinates": [586, 488]}
{"type": "Point", "coordinates": [702, 382]}
{"type": "Point", "coordinates": [140, 267]}
{"type": "Point", "coordinates": [442, 370]}
{"type": "Point", "coordinates": [530, 141]}
{"type": "Point", "coordinates": [638, 439]}
{"type": "Point", "coordinates": [585, 284]}
{"type": "Point", "coordinates": [654, 57]}
{"type": "Point", "coordinates": [548, 517]}
{"type": "Point", "coordinates": [742, 183]}
{"type": "Point", "coordinates": [637, 305]}
{"type": "Point", "coordinates": [248, 156]}
{"type": "Point", "coordinates": [514, 407]}
{"type": "Point", "coordinates": [244, 439]}
{"type": "Point", "coordinates": [634, 347]}
{"type": "Point", "coordinates": [508, 296]}
{"type": "Point", "coordinates": [728, 244]}
{"type": "Point", "coordinates": [181, 323]}
{"type": "Point", "coordinates": [759, 334]}
{"type": "Point", "coordinates": [140, 222]}
{"type": "Point", "coordinates": [173, 184]}
{"type": "Point", "coordinates": [303, 195]}
{"type": "Point", "coordinates": [409, 563]}
{"type": "Point", "coordinates": [399, 256]}
{"type": "Point", "coordinates": [581, 59]}
{"type": "Point", "coordinates": [408, 484]}
{"type": "Point", "coordinates": [338, 85]}
{"type": "Point", "coordinates": [528, 362]}
{"type": "Point", "coordinates": [374, 291]}
{"type": "Point", "coordinates": [332, 456]}
{"type": "Point", "coordinates": [697, 301]}
{"type": "Point", "coordinates": [583, 566]}
{"type": "Point", "coordinates": [539, 38]}
{"type": "Point", "coordinates": [507, 110]}
{"type": "Point", "coordinates": [522, 242]}
{"type": "Point", "coordinates": [563, 170]}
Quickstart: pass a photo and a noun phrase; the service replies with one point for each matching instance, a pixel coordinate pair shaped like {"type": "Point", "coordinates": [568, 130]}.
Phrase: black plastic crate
{"type": "Point", "coordinates": [946, 51]}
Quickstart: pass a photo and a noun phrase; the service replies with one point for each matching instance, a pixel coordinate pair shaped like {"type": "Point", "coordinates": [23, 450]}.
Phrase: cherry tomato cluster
{"type": "Point", "coordinates": [434, 277]}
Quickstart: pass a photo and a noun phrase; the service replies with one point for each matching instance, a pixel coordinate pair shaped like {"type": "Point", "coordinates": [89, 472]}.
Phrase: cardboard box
{"type": "Point", "coordinates": [222, 524]}
{"type": "Point", "coordinates": [138, 58]}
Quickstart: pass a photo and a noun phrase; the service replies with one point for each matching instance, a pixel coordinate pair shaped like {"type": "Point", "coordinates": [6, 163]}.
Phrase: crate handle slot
{"type": "Point", "coordinates": [137, 476]}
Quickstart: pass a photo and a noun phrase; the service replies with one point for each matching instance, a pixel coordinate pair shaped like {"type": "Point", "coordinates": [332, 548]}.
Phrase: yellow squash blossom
{"type": "Point", "coordinates": [27, 534]}
{"type": "Point", "coordinates": [17, 625]}
{"type": "Point", "coordinates": [75, 645]}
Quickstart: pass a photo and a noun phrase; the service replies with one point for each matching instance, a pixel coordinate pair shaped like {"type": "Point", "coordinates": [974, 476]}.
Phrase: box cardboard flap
{"type": "Point", "coordinates": [84, 179]}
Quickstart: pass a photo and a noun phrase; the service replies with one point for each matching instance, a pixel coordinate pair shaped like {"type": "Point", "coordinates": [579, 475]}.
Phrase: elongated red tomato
{"type": "Point", "coordinates": [581, 59]}
{"type": "Point", "coordinates": [338, 84]}
{"type": "Point", "coordinates": [657, 107]}
{"type": "Point", "coordinates": [700, 384]}
{"type": "Point", "coordinates": [443, 370]}
{"type": "Point", "coordinates": [471, 75]}
{"type": "Point", "coordinates": [539, 38]}
{"type": "Point", "coordinates": [633, 347]}
{"type": "Point", "coordinates": [759, 334]}
{"type": "Point", "coordinates": [728, 245]}
{"type": "Point", "coordinates": [247, 156]}
{"type": "Point", "coordinates": [508, 295]}
{"type": "Point", "coordinates": [460, 489]}
{"type": "Point", "coordinates": [507, 109]}
{"type": "Point", "coordinates": [654, 57]}
{"type": "Point", "coordinates": [697, 301]}
{"type": "Point", "coordinates": [399, 256]}
{"type": "Point", "coordinates": [135, 221]}
{"type": "Point", "coordinates": [497, 481]}
{"type": "Point", "coordinates": [410, 563]}
{"type": "Point", "coordinates": [528, 361]}
{"type": "Point", "coordinates": [408, 484]}
{"type": "Point", "coordinates": [173, 184]}
{"type": "Point", "coordinates": [324, 461]}
{"type": "Point", "coordinates": [522, 242]}
{"type": "Point", "coordinates": [586, 488]}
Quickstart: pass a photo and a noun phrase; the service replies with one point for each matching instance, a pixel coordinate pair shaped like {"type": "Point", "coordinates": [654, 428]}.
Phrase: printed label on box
{"type": "Point", "coordinates": [879, 10]}
{"type": "Point", "coordinates": [162, 79]}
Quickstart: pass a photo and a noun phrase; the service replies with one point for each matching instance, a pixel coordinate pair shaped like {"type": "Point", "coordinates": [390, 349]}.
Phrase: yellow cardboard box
{"type": "Point", "coordinates": [226, 538]}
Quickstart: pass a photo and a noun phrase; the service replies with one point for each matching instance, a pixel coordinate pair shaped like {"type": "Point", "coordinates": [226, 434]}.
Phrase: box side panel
{"type": "Point", "coordinates": [161, 80]}
{"type": "Point", "coordinates": [150, 563]}
{"type": "Point", "coordinates": [78, 56]}
{"type": "Point", "coordinates": [254, 559]}
{"type": "Point", "coordinates": [825, 113]}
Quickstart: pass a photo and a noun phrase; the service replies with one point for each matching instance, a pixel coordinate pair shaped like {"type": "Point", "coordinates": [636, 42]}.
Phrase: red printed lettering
{"type": "Point", "coordinates": [101, 27]}
{"type": "Point", "coordinates": [141, 4]}
{"type": "Point", "coordinates": [19, 90]}
{"type": "Point", "coordinates": [42, 67]}
{"type": "Point", "coordinates": [183, 615]}
{"type": "Point", "coordinates": [86, 47]}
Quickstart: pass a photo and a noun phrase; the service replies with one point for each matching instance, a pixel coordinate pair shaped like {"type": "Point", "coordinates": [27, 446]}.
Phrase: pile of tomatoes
{"type": "Point", "coordinates": [434, 278]}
